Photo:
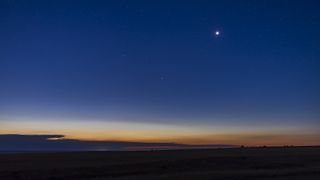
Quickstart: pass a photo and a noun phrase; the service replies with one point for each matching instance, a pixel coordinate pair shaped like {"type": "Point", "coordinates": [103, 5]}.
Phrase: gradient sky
{"type": "Point", "coordinates": [154, 71]}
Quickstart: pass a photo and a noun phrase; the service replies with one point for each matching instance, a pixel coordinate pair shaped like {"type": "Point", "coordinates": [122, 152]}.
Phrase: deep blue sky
{"type": "Point", "coordinates": [160, 60]}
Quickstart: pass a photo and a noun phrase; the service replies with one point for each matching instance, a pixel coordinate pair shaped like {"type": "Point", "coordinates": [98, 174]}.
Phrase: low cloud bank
{"type": "Point", "coordinates": [18, 142]}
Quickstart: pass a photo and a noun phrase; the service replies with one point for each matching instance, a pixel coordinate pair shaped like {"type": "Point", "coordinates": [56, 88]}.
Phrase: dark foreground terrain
{"type": "Point", "coordinates": [301, 163]}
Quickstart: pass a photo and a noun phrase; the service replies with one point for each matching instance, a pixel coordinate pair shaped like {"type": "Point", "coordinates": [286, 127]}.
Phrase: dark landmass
{"type": "Point", "coordinates": [276, 163]}
{"type": "Point", "coordinates": [58, 143]}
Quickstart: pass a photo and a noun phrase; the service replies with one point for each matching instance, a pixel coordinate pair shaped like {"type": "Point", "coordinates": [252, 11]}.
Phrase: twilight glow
{"type": "Point", "coordinates": [137, 71]}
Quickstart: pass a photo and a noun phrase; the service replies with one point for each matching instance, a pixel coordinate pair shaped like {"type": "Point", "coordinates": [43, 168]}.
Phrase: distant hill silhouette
{"type": "Point", "coordinates": [17, 142]}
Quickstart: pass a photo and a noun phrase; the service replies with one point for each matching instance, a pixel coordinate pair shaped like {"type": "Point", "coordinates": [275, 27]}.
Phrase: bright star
{"type": "Point", "coordinates": [217, 33]}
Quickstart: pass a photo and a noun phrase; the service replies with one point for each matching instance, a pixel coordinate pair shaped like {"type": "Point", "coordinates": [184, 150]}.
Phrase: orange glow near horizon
{"type": "Point", "coordinates": [142, 132]}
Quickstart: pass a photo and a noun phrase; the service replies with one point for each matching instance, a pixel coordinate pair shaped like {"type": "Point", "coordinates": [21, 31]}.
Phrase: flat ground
{"type": "Point", "coordinates": [299, 163]}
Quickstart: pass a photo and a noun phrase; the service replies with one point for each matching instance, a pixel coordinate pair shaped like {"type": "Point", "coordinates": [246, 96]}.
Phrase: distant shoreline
{"type": "Point", "coordinates": [155, 150]}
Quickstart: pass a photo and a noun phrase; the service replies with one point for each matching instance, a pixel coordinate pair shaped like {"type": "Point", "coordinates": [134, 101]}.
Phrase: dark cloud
{"type": "Point", "coordinates": [17, 142]}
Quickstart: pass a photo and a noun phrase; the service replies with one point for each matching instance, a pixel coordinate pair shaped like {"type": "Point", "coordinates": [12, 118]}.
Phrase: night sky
{"type": "Point", "coordinates": [193, 72]}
